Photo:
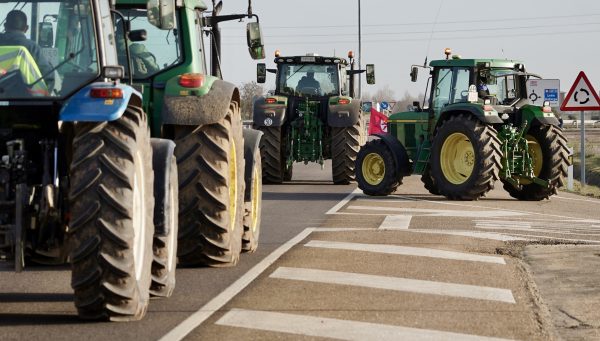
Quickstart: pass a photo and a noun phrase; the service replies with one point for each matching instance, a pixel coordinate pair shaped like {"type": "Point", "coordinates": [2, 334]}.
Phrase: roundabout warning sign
{"type": "Point", "coordinates": [581, 96]}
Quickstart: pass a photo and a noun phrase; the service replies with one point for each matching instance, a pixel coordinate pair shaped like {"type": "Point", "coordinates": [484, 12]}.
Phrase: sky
{"type": "Point", "coordinates": [554, 38]}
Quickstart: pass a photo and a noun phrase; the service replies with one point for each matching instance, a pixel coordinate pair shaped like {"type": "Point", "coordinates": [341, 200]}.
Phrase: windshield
{"type": "Point", "coordinates": [308, 79]}
{"type": "Point", "coordinates": [160, 50]}
{"type": "Point", "coordinates": [47, 48]}
{"type": "Point", "coordinates": [503, 85]}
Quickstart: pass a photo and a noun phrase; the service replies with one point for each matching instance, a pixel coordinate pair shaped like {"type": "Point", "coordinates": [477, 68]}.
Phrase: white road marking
{"type": "Point", "coordinates": [341, 229]}
{"type": "Point", "coordinates": [189, 324]}
{"type": "Point", "coordinates": [335, 328]}
{"type": "Point", "coordinates": [530, 236]}
{"type": "Point", "coordinates": [503, 224]}
{"type": "Point", "coordinates": [344, 201]}
{"type": "Point", "coordinates": [406, 251]}
{"type": "Point", "coordinates": [428, 212]}
{"type": "Point", "coordinates": [395, 283]}
{"type": "Point", "coordinates": [574, 199]}
{"type": "Point", "coordinates": [472, 234]}
{"type": "Point", "coordinates": [395, 222]}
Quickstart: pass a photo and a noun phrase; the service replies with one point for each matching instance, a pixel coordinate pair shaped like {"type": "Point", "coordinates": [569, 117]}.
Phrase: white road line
{"type": "Point", "coordinates": [344, 201]}
{"type": "Point", "coordinates": [503, 222]}
{"type": "Point", "coordinates": [395, 222]}
{"type": "Point", "coordinates": [395, 283]}
{"type": "Point", "coordinates": [473, 234]}
{"type": "Point", "coordinates": [189, 324]}
{"type": "Point", "coordinates": [574, 199]}
{"type": "Point", "coordinates": [341, 229]}
{"type": "Point", "coordinates": [438, 213]}
{"type": "Point", "coordinates": [335, 328]}
{"type": "Point", "coordinates": [529, 236]}
{"type": "Point", "coordinates": [406, 251]}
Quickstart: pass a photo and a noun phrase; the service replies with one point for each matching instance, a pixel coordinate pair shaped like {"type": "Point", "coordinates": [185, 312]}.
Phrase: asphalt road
{"type": "Point", "coordinates": [337, 265]}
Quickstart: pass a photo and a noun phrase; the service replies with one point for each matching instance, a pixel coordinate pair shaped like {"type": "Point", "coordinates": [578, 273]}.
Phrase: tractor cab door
{"type": "Point", "coordinates": [451, 85]}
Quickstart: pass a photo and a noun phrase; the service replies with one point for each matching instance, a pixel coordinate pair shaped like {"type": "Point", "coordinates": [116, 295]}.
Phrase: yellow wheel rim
{"type": "Point", "coordinates": [255, 198]}
{"type": "Point", "coordinates": [373, 169]}
{"type": "Point", "coordinates": [537, 157]}
{"type": "Point", "coordinates": [457, 158]}
{"type": "Point", "coordinates": [233, 183]}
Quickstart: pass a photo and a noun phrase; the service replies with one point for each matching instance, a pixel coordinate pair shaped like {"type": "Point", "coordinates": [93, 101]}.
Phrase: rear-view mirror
{"type": "Point", "coordinates": [261, 72]}
{"type": "Point", "coordinates": [161, 13]}
{"type": "Point", "coordinates": [370, 74]}
{"type": "Point", "coordinates": [255, 40]}
{"type": "Point", "coordinates": [414, 73]}
{"type": "Point", "coordinates": [46, 34]}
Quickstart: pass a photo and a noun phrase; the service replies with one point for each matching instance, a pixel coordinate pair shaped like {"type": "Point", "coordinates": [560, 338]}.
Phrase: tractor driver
{"type": "Point", "coordinates": [482, 88]}
{"type": "Point", "coordinates": [309, 81]}
{"type": "Point", "coordinates": [15, 27]}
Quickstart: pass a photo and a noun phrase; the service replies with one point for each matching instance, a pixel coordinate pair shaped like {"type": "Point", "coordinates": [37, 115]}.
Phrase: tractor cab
{"type": "Point", "coordinates": [51, 49]}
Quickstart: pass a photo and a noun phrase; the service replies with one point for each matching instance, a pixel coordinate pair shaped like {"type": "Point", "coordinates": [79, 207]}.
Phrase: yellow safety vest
{"type": "Point", "coordinates": [18, 58]}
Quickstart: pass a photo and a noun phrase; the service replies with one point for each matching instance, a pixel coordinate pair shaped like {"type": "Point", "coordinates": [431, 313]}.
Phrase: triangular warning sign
{"type": "Point", "coordinates": [582, 96]}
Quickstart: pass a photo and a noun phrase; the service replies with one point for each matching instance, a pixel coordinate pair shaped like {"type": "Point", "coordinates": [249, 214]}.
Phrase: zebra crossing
{"type": "Point", "coordinates": [285, 323]}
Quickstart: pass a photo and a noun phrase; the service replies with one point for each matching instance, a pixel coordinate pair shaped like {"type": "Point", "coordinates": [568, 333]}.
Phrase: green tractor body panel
{"type": "Point", "coordinates": [493, 93]}
{"type": "Point", "coordinates": [306, 135]}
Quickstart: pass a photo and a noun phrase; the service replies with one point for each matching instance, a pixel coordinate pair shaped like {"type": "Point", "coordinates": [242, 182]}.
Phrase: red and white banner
{"type": "Point", "coordinates": [377, 123]}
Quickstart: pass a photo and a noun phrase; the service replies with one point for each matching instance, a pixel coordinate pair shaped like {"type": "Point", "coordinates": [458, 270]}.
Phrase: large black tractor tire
{"type": "Point", "coordinates": [211, 191]}
{"type": "Point", "coordinates": [465, 158]}
{"type": "Point", "coordinates": [376, 171]}
{"type": "Point", "coordinates": [428, 182]}
{"type": "Point", "coordinates": [548, 148]}
{"type": "Point", "coordinates": [111, 203]}
{"type": "Point", "coordinates": [345, 143]}
{"type": "Point", "coordinates": [252, 200]}
{"type": "Point", "coordinates": [166, 218]}
{"type": "Point", "coordinates": [273, 160]}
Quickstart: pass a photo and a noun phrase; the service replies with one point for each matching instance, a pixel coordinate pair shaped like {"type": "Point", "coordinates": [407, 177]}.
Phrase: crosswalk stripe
{"type": "Point", "coordinates": [438, 213]}
{"type": "Point", "coordinates": [335, 328]}
{"type": "Point", "coordinates": [395, 222]}
{"type": "Point", "coordinates": [395, 283]}
{"type": "Point", "coordinates": [406, 251]}
{"type": "Point", "coordinates": [472, 234]}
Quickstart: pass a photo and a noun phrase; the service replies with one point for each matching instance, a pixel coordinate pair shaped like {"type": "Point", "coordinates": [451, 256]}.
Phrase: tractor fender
{"type": "Point", "coordinates": [474, 109]}
{"type": "Point", "coordinates": [251, 143]}
{"type": "Point", "coordinates": [84, 108]}
{"type": "Point", "coordinates": [343, 115]}
{"type": "Point", "coordinates": [535, 116]}
{"type": "Point", "coordinates": [399, 153]}
{"type": "Point", "coordinates": [196, 110]}
{"type": "Point", "coordinates": [269, 115]}
{"type": "Point", "coordinates": [163, 153]}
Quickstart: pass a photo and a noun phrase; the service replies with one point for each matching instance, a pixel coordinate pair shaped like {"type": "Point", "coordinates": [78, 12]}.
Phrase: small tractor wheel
{"type": "Point", "coordinates": [549, 151]}
{"type": "Point", "coordinates": [211, 191]}
{"type": "Point", "coordinates": [428, 181]}
{"type": "Point", "coordinates": [465, 158]}
{"type": "Point", "coordinates": [376, 172]}
{"type": "Point", "coordinates": [253, 204]}
{"type": "Point", "coordinates": [166, 194]}
{"type": "Point", "coordinates": [112, 203]}
{"type": "Point", "coordinates": [273, 161]}
{"type": "Point", "coordinates": [345, 143]}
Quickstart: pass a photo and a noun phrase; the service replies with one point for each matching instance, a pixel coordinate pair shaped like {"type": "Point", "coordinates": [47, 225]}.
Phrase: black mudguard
{"type": "Point", "coordinates": [268, 115]}
{"type": "Point", "coordinates": [200, 110]}
{"type": "Point", "coordinates": [401, 158]}
{"type": "Point", "coordinates": [162, 155]}
{"type": "Point", "coordinates": [343, 115]}
{"type": "Point", "coordinates": [251, 143]}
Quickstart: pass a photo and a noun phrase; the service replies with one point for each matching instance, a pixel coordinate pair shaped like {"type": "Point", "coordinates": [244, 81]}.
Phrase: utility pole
{"type": "Point", "coordinates": [359, 53]}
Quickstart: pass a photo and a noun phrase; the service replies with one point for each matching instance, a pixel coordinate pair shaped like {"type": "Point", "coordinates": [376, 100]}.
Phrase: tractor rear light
{"type": "Point", "coordinates": [488, 107]}
{"type": "Point", "coordinates": [343, 101]}
{"type": "Point", "coordinates": [107, 93]}
{"type": "Point", "coordinates": [546, 107]}
{"type": "Point", "coordinates": [270, 100]}
{"type": "Point", "coordinates": [350, 54]}
{"type": "Point", "coordinates": [191, 80]}
{"type": "Point", "coordinates": [277, 53]}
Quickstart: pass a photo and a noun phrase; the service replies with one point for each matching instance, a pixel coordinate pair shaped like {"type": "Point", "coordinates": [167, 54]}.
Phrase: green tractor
{"type": "Point", "coordinates": [218, 162]}
{"type": "Point", "coordinates": [311, 116]}
{"type": "Point", "coordinates": [478, 128]}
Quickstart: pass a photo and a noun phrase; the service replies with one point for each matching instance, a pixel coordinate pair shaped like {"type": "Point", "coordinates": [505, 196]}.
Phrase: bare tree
{"type": "Point", "coordinates": [384, 94]}
{"type": "Point", "coordinates": [248, 92]}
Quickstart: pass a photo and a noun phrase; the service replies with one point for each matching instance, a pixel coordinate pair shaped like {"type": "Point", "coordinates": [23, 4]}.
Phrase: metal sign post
{"type": "Point", "coordinates": [582, 149]}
